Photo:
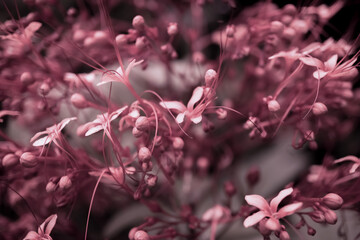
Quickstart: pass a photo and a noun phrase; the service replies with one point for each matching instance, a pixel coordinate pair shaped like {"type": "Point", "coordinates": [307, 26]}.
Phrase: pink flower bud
{"type": "Point", "coordinates": [26, 78]}
{"type": "Point", "coordinates": [141, 235]}
{"type": "Point", "coordinates": [332, 201]}
{"type": "Point", "coordinates": [309, 135]}
{"type": "Point", "coordinates": [178, 143]}
{"type": "Point", "coordinates": [144, 154]}
{"type": "Point", "coordinates": [284, 235]}
{"type": "Point", "coordinates": [141, 43]}
{"type": "Point", "coordinates": [273, 105]}
{"type": "Point", "coordinates": [28, 160]}
{"type": "Point", "coordinates": [276, 27]}
{"type": "Point", "coordinates": [319, 108]}
{"type": "Point", "coordinates": [121, 39]}
{"type": "Point", "coordinates": [44, 89]}
{"type": "Point", "coordinates": [79, 101]}
{"type": "Point", "coordinates": [210, 77]}
{"type": "Point", "coordinates": [151, 180]}
{"type": "Point", "coordinates": [132, 233]}
{"type": "Point", "coordinates": [79, 35]}
{"type": "Point", "coordinates": [50, 187]}
{"type": "Point", "coordinates": [100, 35]}
{"type": "Point", "coordinates": [330, 216]}
{"type": "Point", "coordinates": [230, 31]}
{"type": "Point", "coordinates": [138, 23]}
{"type": "Point", "coordinates": [317, 216]}
{"type": "Point", "coordinates": [253, 176]}
{"type": "Point", "coordinates": [142, 123]}
{"type": "Point", "coordinates": [172, 29]}
{"type": "Point", "coordinates": [230, 189]}
{"type": "Point", "coordinates": [203, 163]}
{"type": "Point", "coordinates": [10, 160]}
{"type": "Point", "coordinates": [136, 132]}
{"type": "Point", "coordinates": [311, 231]}
{"type": "Point", "coordinates": [65, 182]}
{"type": "Point", "coordinates": [221, 113]}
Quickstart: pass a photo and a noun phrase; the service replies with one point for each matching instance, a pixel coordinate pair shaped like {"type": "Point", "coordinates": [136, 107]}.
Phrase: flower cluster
{"type": "Point", "coordinates": [141, 117]}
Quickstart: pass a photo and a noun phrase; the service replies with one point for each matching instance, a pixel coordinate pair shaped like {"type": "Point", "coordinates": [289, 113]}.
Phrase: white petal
{"type": "Point", "coordinates": [180, 117]}
{"type": "Point", "coordinates": [257, 201]}
{"type": "Point", "coordinates": [42, 141]}
{"type": "Point", "coordinates": [254, 219]}
{"type": "Point", "coordinates": [196, 96]}
{"type": "Point", "coordinates": [276, 200]}
{"type": "Point", "coordinates": [289, 209]}
{"type": "Point", "coordinates": [94, 130]}
{"type": "Point", "coordinates": [174, 105]}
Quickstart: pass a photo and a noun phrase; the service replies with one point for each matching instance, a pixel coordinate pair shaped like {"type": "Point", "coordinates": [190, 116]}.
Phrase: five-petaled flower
{"type": "Point", "coordinates": [190, 111]}
{"type": "Point", "coordinates": [270, 212]}
{"type": "Point", "coordinates": [52, 133]}
{"type": "Point", "coordinates": [44, 230]}
{"type": "Point", "coordinates": [102, 122]}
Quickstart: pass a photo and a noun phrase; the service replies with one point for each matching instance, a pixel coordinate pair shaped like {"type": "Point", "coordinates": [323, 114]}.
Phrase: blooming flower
{"type": "Point", "coordinates": [101, 122]}
{"type": "Point", "coordinates": [193, 113]}
{"type": "Point", "coordinates": [44, 230]}
{"type": "Point", "coordinates": [52, 133]}
{"type": "Point", "coordinates": [270, 211]}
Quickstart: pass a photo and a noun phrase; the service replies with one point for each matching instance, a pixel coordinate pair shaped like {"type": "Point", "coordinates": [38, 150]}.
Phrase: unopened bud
{"type": "Point", "coordinates": [172, 29]}
{"type": "Point", "coordinates": [142, 123]}
{"type": "Point", "coordinates": [50, 187]}
{"type": "Point", "coordinates": [140, 43]}
{"type": "Point", "coordinates": [136, 132]}
{"type": "Point", "coordinates": [132, 233]}
{"type": "Point", "coordinates": [151, 180]}
{"type": "Point", "coordinates": [178, 143]}
{"type": "Point", "coordinates": [144, 154]}
{"type": "Point", "coordinates": [230, 189]}
{"type": "Point", "coordinates": [230, 30]}
{"type": "Point", "coordinates": [332, 201]}
{"type": "Point", "coordinates": [210, 77]}
{"type": "Point", "coordinates": [284, 235]}
{"type": "Point", "coordinates": [273, 105]}
{"type": "Point", "coordinates": [28, 160]}
{"type": "Point", "coordinates": [276, 26]}
{"type": "Point", "coordinates": [44, 89]}
{"type": "Point", "coordinates": [319, 108]}
{"type": "Point", "coordinates": [121, 39]}
{"type": "Point", "coordinates": [330, 216]}
{"type": "Point", "coordinates": [65, 182]}
{"type": "Point", "coordinates": [221, 113]}
{"type": "Point", "coordinates": [203, 163]}
{"type": "Point", "coordinates": [317, 216]}
{"type": "Point", "coordinates": [253, 176]}
{"type": "Point", "coordinates": [138, 23]}
{"type": "Point", "coordinates": [79, 101]}
{"type": "Point", "coordinates": [26, 78]}
{"type": "Point", "coordinates": [141, 235]}
{"type": "Point", "coordinates": [10, 160]}
{"type": "Point", "coordinates": [311, 231]}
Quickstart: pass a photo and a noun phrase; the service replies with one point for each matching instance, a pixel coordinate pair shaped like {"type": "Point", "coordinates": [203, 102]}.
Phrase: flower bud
{"type": "Point", "coordinates": [141, 43]}
{"type": "Point", "coordinates": [172, 29]}
{"type": "Point", "coordinates": [141, 235]}
{"type": "Point", "coordinates": [284, 235]}
{"type": "Point", "coordinates": [44, 89]}
{"type": "Point", "coordinates": [276, 26]}
{"type": "Point", "coordinates": [253, 176]}
{"type": "Point", "coordinates": [230, 31]}
{"type": "Point", "coordinates": [311, 231]}
{"type": "Point", "coordinates": [317, 216]}
{"type": "Point", "coordinates": [26, 78]}
{"type": "Point", "coordinates": [28, 160]}
{"type": "Point", "coordinates": [330, 216]}
{"type": "Point", "coordinates": [309, 135]}
{"type": "Point", "coordinates": [138, 23]}
{"type": "Point", "coordinates": [210, 77]}
{"type": "Point", "coordinates": [142, 123]}
{"type": "Point", "coordinates": [273, 105]}
{"type": "Point", "coordinates": [121, 39]}
{"type": "Point", "coordinates": [151, 180]}
{"type": "Point", "coordinates": [132, 233]}
{"type": "Point", "coordinates": [221, 113]}
{"type": "Point", "coordinates": [10, 160]}
{"type": "Point", "coordinates": [65, 182]}
{"type": "Point", "coordinates": [79, 101]}
{"type": "Point", "coordinates": [332, 201]}
{"type": "Point", "coordinates": [178, 143]}
{"type": "Point", "coordinates": [50, 187]}
{"type": "Point", "coordinates": [144, 154]}
{"type": "Point", "coordinates": [136, 132]}
{"type": "Point", "coordinates": [230, 189]}
{"type": "Point", "coordinates": [319, 108]}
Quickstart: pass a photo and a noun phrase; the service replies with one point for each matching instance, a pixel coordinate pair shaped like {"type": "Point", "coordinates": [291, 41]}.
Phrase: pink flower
{"type": "Point", "coordinates": [330, 67]}
{"type": "Point", "coordinates": [102, 122]}
{"type": "Point", "coordinates": [270, 211]}
{"type": "Point", "coordinates": [44, 230]}
{"type": "Point", "coordinates": [193, 113]}
{"type": "Point", "coordinates": [52, 133]}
